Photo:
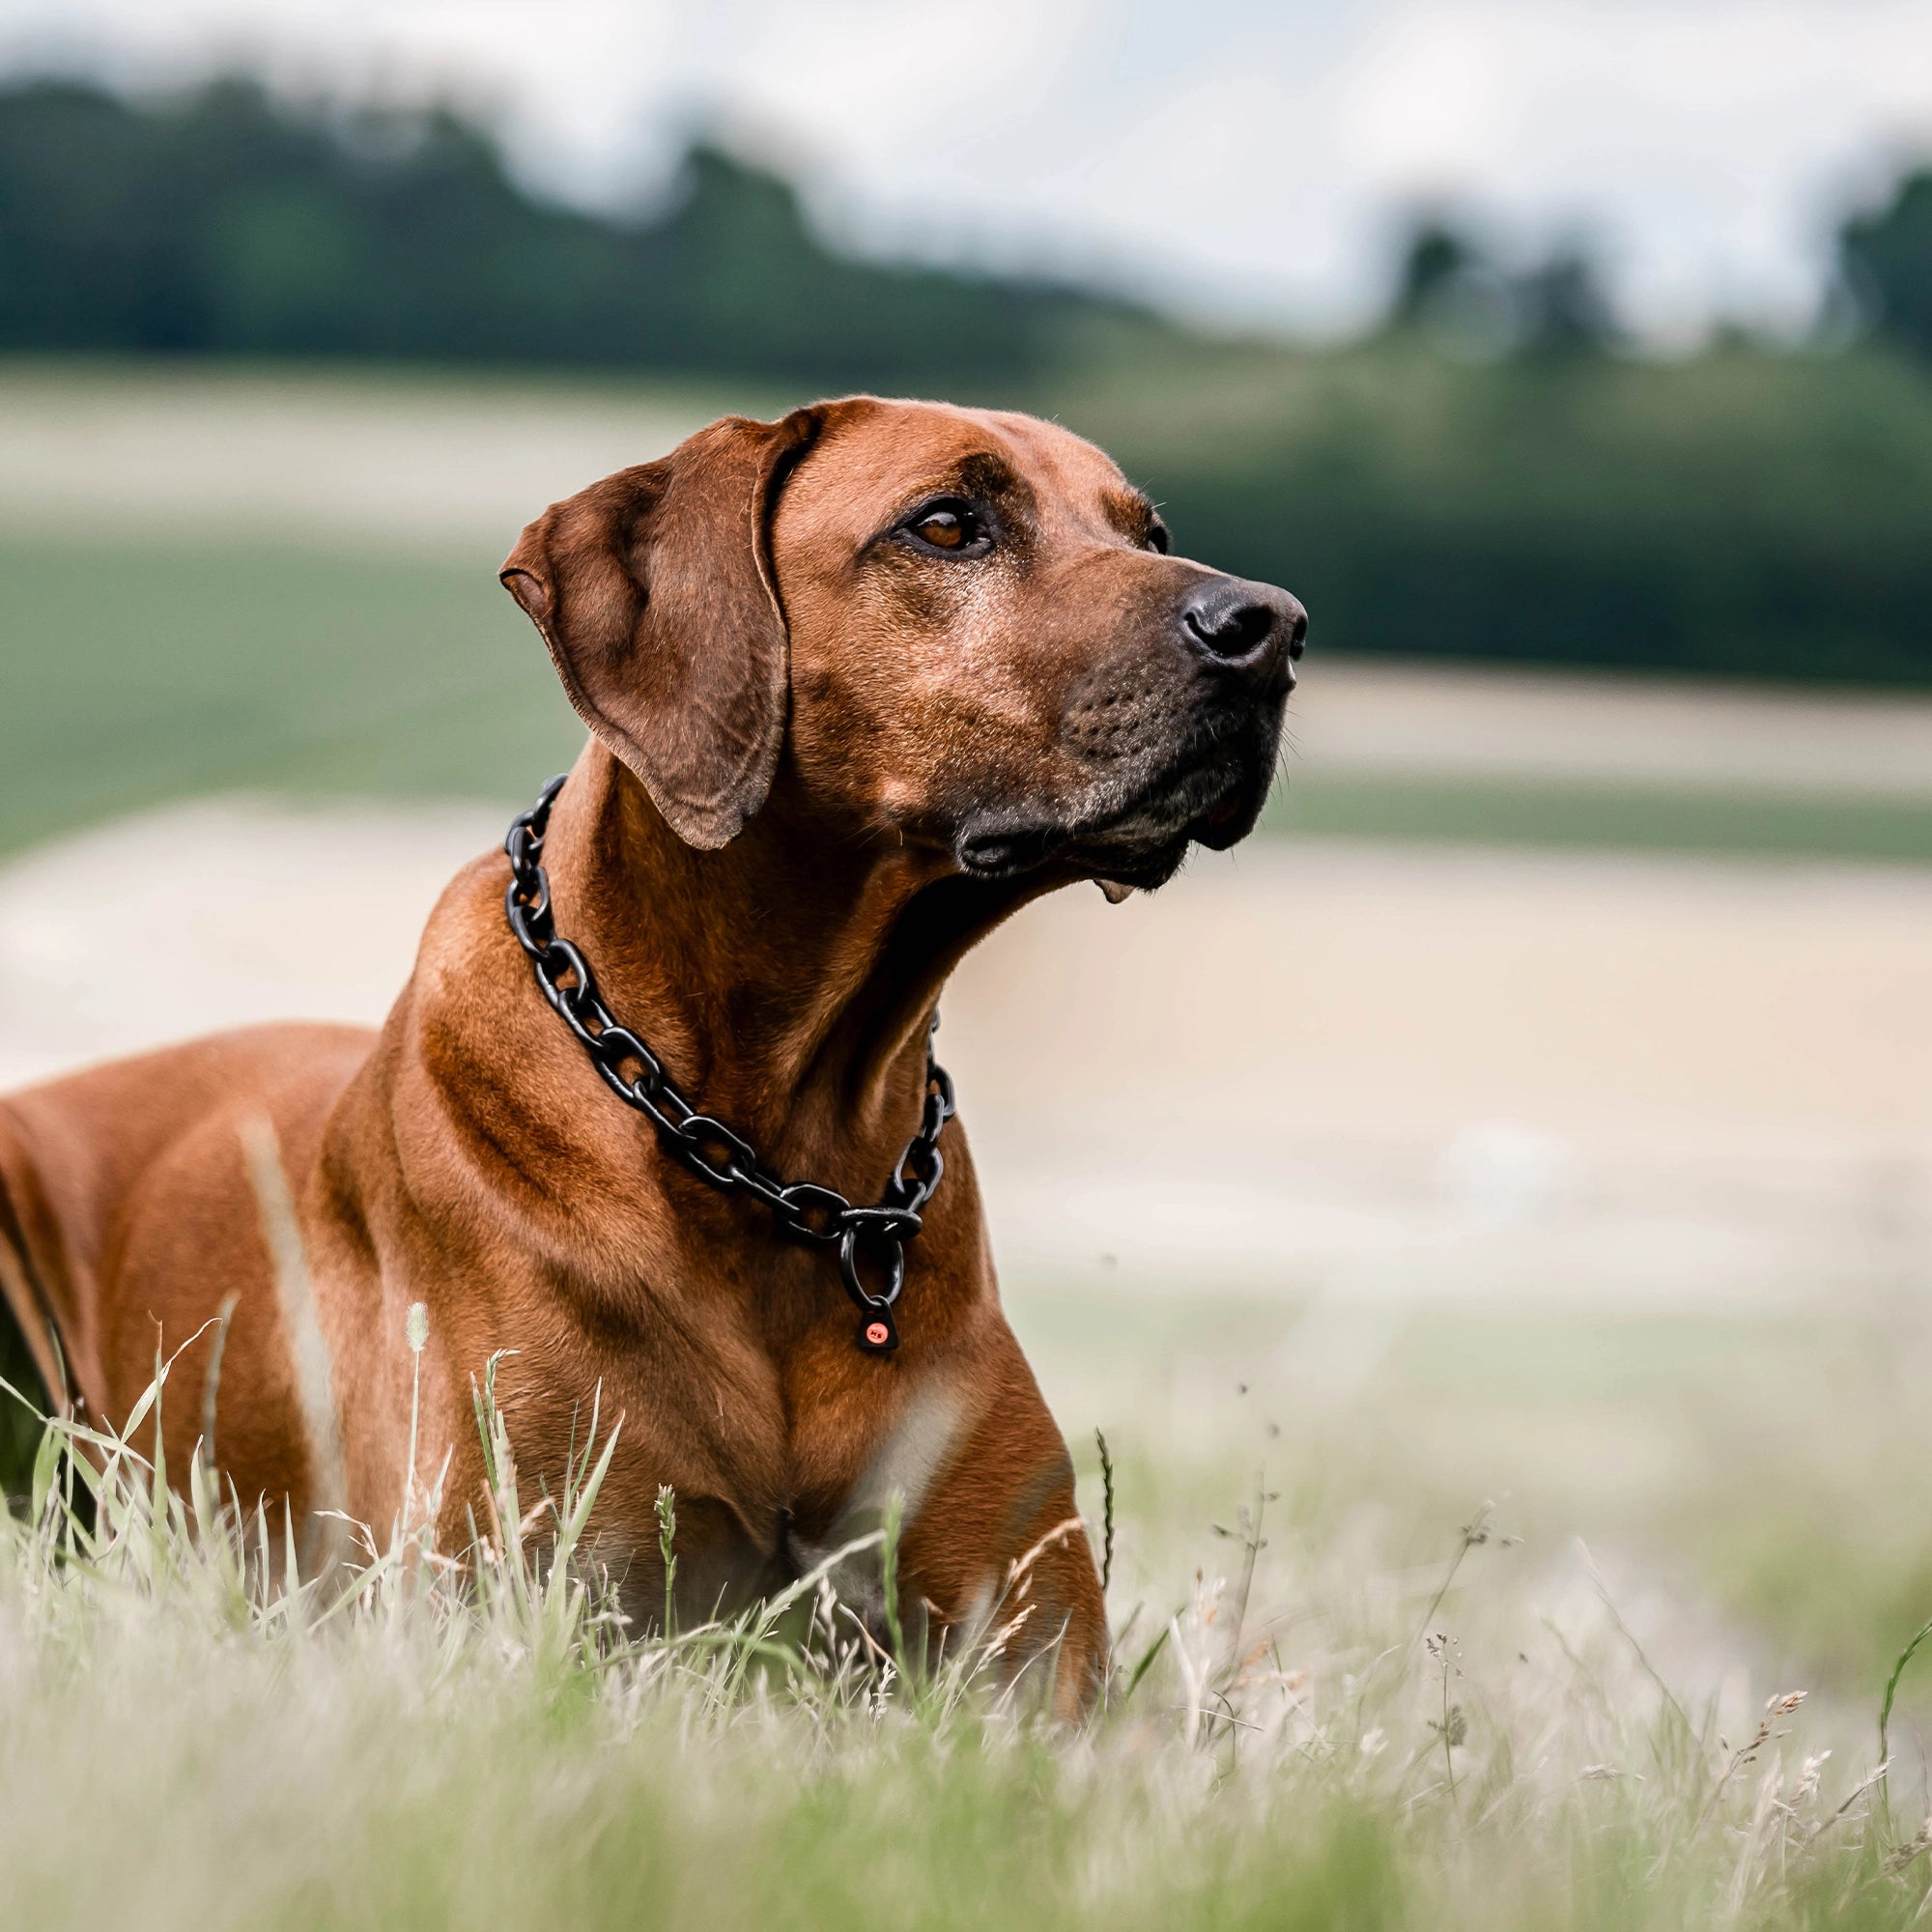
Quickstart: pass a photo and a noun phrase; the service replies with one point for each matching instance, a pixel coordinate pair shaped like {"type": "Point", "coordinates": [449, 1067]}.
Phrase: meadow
{"type": "Point", "coordinates": [191, 666]}
{"type": "Point", "coordinates": [1319, 1716]}
{"type": "Point", "coordinates": [234, 576]}
{"type": "Point", "coordinates": [1453, 1582]}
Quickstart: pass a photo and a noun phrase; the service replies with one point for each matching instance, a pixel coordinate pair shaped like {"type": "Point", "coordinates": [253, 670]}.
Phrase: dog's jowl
{"type": "Point", "coordinates": [859, 683]}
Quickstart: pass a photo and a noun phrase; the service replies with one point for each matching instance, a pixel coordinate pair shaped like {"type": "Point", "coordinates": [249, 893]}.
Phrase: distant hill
{"type": "Point", "coordinates": [1734, 513]}
{"type": "Point", "coordinates": [228, 223]}
{"type": "Point", "coordinates": [1488, 476]}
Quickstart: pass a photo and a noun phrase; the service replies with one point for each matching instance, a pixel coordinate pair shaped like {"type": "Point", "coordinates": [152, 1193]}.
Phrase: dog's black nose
{"type": "Point", "coordinates": [1240, 623]}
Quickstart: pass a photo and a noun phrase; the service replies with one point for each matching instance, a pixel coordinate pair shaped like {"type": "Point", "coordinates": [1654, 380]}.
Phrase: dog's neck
{"type": "Point", "coordinates": [785, 981]}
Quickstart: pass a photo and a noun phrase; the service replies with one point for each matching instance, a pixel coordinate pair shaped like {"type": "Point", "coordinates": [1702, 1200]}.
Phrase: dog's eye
{"type": "Point", "coordinates": [946, 529]}
{"type": "Point", "coordinates": [1157, 538]}
{"type": "Point", "coordinates": [951, 528]}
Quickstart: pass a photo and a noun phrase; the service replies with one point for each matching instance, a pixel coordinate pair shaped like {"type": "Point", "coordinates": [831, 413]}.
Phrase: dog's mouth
{"type": "Point", "coordinates": [1210, 794]}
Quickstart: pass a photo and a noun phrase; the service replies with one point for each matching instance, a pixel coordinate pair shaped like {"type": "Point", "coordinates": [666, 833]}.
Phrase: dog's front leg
{"type": "Point", "coordinates": [995, 1552]}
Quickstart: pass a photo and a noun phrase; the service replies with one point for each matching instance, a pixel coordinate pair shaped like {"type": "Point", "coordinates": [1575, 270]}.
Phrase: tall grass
{"type": "Point", "coordinates": [193, 1731]}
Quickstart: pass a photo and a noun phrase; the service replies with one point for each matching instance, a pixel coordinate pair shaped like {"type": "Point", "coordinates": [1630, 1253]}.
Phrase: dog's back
{"type": "Point", "coordinates": [19, 1368]}
{"type": "Point", "coordinates": [85, 1158]}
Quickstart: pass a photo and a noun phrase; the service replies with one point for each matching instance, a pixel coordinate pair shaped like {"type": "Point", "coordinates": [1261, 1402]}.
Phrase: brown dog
{"type": "Point", "coordinates": [859, 683]}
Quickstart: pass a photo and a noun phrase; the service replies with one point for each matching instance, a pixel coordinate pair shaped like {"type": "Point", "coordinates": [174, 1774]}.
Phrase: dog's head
{"type": "Point", "coordinates": [950, 630]}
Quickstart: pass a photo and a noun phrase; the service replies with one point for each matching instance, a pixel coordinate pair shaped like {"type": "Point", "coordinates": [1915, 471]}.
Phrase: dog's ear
{"type": "Point", "coordinates": [653, 591]}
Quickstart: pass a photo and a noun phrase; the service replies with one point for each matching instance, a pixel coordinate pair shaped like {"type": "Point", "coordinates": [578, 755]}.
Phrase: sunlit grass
{"type": "Point", "coordinates": [1634, 817]}
{"type": "Point", "coordinates": [140, 672]}
{"type": "Point", "coordinates": [1769, 1468]}
{"type": "Point", "coordinates": [1308, 1725]}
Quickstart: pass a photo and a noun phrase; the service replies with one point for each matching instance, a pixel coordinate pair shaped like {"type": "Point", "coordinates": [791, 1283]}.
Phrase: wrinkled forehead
{"type": "Point", "coordinates": [875, 462]}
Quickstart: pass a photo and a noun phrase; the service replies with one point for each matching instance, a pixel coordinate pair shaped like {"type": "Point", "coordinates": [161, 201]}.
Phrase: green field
{"type": "Point", "coordinates": [1496, 811]}
{"type": "Point", "coordinates": [141, 670]}
{"type": "Point", "coordinates": [1366, 1701]}
{"type": "Point", "coordinates": [136, 674]}
{"type": "Point", "coordinates": [1524, 1577]}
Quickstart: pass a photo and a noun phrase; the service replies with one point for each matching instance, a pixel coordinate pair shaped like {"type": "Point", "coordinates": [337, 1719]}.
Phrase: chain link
{"type": "Point", "coordinates": [803, 1210]}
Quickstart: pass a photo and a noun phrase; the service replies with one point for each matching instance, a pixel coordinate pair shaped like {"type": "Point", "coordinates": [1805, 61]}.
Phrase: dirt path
{"type": "Point", "coordinates": [1407, 1071]}
{"type": "Point", "coordinates": [323, 458]}
{"type": "Point", "coordinates": [1412, 1071]}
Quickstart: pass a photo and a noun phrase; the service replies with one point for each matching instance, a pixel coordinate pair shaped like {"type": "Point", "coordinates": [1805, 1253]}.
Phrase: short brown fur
{"type": "Point", "coordinates": [822, 763]}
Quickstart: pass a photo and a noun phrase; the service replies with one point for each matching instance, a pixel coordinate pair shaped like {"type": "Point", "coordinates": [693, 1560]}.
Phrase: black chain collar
{"type": "Point", "coordinates": [708, 1147]}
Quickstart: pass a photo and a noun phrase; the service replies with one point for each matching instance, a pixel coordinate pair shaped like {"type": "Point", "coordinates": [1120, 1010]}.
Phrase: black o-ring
{"type": "Point", "coordinates": [893, 1250]}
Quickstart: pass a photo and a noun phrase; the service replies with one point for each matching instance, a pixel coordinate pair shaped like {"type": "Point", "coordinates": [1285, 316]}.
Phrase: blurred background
{"type": "Point", "coordinates": [1539, 1109]}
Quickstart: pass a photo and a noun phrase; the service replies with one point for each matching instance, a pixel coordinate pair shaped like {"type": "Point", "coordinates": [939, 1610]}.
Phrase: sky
{"type": "Point", "coordinates": [1238, 161]}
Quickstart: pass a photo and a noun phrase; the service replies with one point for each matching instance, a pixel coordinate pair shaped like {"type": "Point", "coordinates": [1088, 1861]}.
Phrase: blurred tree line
{"type": "Point", "coordinates": [1488, 476]}
{"type": "Point", "coordinates": [227, 223]}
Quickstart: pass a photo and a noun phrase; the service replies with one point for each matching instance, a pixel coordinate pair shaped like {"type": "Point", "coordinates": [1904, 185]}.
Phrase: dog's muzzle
{"type": "Point", "coordinates": [1177, 742]}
